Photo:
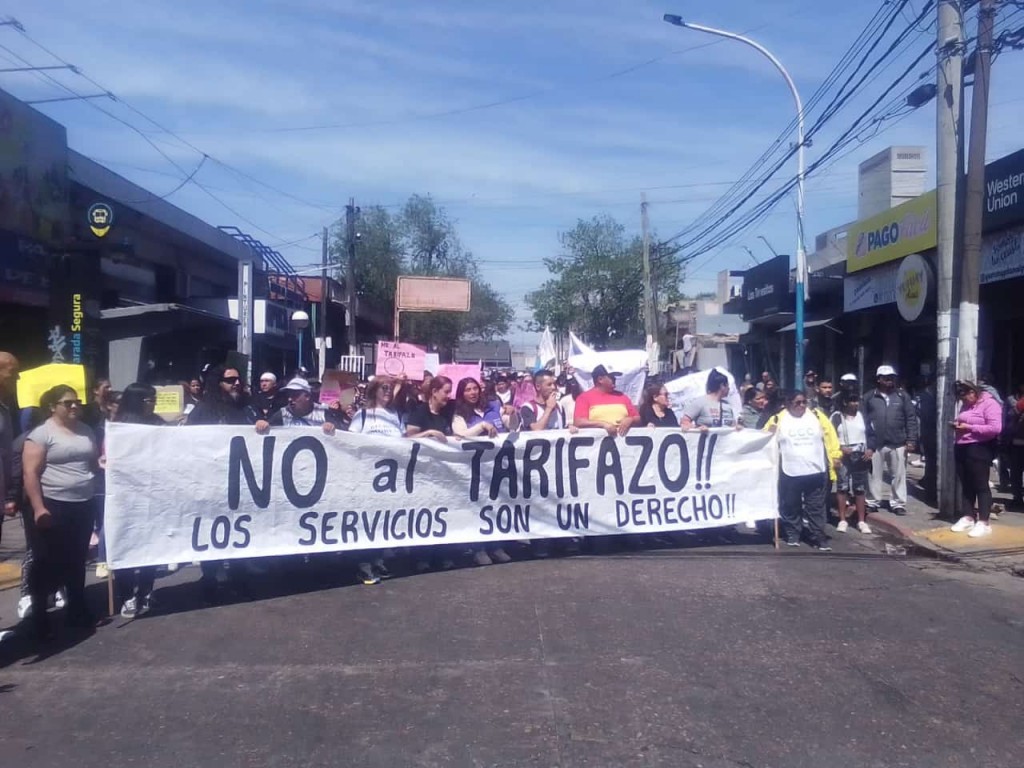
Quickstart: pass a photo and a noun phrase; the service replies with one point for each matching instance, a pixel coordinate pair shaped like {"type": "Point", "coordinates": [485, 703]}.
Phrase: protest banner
{"type": "Point", "coordinates": [215, 493]}
{"type": "Point", "coordinates": [34, 382]}
{"type": "Point", "coordinates": [459, 371]}
{"type": "Point", "coordinates": [631, 363]}
{"type": "Point", "coordinates": [395, 358]}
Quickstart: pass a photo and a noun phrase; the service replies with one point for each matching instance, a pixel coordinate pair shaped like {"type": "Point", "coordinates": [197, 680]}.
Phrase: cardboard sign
{"type": "Point", "coordinates": [33, 383]}
{"type": "Point", "coordinates": [170, 402]}
{"type": "Point", "coordinates": [338, 386]}
{"type": "Point", "coordinates": [395, 358]}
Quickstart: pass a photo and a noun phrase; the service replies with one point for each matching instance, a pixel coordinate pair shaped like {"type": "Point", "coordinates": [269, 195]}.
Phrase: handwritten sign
{"type": "Point", "coordinates": [170, 402]}
{"type": "Point", "coordinates": [395, 358]}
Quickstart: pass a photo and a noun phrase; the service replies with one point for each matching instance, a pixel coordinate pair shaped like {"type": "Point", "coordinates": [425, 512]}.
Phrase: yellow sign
{"type": "Point", "coordinates": [170, 402]}
{"type": "Point", "coordinates": [33, 383]}
{"type": "Point", "coordinates": [898, 232]}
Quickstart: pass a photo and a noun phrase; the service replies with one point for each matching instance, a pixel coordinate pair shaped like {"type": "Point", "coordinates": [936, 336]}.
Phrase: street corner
{"type": "Point", "coordinates": [1004, 540]}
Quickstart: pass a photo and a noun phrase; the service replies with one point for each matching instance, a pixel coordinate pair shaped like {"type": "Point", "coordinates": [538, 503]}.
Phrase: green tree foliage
{"type": "Point", "coordinates": [420, 240]}
{"type": "Point", "coordinates": [597, 286]}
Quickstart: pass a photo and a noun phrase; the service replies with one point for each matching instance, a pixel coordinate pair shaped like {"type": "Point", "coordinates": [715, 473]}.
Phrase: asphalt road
{"type": "Point", "coordinates": [709, 655]}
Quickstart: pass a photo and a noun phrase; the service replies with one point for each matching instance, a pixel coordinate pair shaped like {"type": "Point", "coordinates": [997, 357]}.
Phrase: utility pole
{"type": "Point", "coordinates": [949, 168]}
{"type": "Point", "coordinates": [324, 290]}
{"type": "Point", "coordinates": [350, 275]}
{"type": "Point", "coordinates": [974, 204]}
{"type": "Point", "coordinates": [650, 323]}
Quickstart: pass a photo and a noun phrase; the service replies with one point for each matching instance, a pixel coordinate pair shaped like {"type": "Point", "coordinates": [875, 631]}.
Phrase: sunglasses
{"type": "Point", "coordinates": [230, 379]}
{"type": "Point", "coordinates": [69, 403]}
{"type": "Point", "coordinates": [798, 403]}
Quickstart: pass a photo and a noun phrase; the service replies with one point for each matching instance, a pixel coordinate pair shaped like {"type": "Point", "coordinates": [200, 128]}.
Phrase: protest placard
{"type": "Point", "coordinates": [215, 493]}
{"type": "Point", "coordinates": [338, 386]}
{"type": "Point", "coordinates": [35, 381]}
{"type": "Point", "coordinates": [396, 358]}
{"type": "Point", "coordinates": [459, 371]}
{"type": "Point", "coordinates": [170, 402]}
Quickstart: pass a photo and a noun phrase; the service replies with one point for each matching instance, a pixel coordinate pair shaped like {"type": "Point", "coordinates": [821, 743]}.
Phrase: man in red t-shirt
{"type": "Point", "coordinates": [605, 407]}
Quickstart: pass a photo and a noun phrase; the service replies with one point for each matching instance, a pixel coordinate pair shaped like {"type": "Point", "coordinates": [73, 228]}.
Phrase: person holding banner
{"type": "Point", "coordinates": [604, 407]}
{"type": "Point", "coordinates": [712, 410]}
{"type": "Point", "coordinates": [301, 410]}
{"type": "Point", "coordinates": [61, 461]}
{"type": "Point", "coordinates": [433, 419]}
{"type": "Point", "coordinates": [377, 417]}
{"type": "Point", "coordinates": [809, 452]}
{"type": "Point", "coordinates": [655, 410]}
{"type": "Point", "coordinates": [135, 587]}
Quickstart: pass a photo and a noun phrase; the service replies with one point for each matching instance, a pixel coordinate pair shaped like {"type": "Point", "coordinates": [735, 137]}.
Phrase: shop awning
{"type": "Point", "coordinates": [151, 319]}
{"type": "Point", "coordinates": [810, 324]}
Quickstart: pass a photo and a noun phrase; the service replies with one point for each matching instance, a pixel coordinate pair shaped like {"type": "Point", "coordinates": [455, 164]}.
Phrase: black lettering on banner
{"type": "Point", "coordinates": [621, 513]}
{"type": "Point", "coordinates": [571, 516]}
{"type": "Point", "coordinates": [576, 463]}
{"type": "Point", "coordinates": [327, 528]}
{"type": "Point", "coordinates": [504, 470]}
{"type": "Point", "coordinates": [485, 516]}
{"type": "Point", "coordinates": [395, 533]}
{"type": "Point", "coordinates": [410, 469]}
{"type": "Point", "coordinates": [654, 511]}
{"type": "Point", "coordinates": [442, 524]}
{"type": "Point", "coordinates": [478, 447]}
{"type": "Point", "coordinates": [349, 526]}
{"type": "Point", "coordinates": [700, 508]}
{"type": "Point", "coordinates": [306, 525]}
{"type": "Point", "coordinates": [296, 446]}
{"type": "Point", "coordinates": [196, 546]}
{"type": "Point", "coordinates": [715, 507]}
{"type": "Point", "coordinates": [388, 479]}
{"type": "Point", "coordinates": [371, 527]}
{"type": "Point", "coordinates": [559, 474]}
{"type": "Point", "coordinates": [423, 515]}
{"type": "Point", "coordinates": [240, 527]}
{"type": "Point", "coordinates": [609, 463]}
{"type": "Point", "coordinates": [677, 441]}
{"type": "Point", "coordinates": [220, 533]}
{"type": "Point", "coordinates": [646, 445]}
{"type": "Point", "coordinates": [682, 516]}
{"type": "Point", "coordinates": [669, 508]}
{"type": "Point", "coordinates": [531, 465]}
{"type": "Point", "coordinates": [239, 463]}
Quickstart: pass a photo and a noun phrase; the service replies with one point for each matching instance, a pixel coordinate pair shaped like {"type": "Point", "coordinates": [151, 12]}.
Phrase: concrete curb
{"type": "Point", "coordinates": [921, 545]}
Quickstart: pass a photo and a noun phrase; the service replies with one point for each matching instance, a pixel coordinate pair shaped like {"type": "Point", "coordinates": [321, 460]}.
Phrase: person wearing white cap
{"type": "Point", "coordinates": [267, 400]}
{"type": "Point", "coordinates": [894, 421]}
{"type": "Point", "coordinates": [300, 411]}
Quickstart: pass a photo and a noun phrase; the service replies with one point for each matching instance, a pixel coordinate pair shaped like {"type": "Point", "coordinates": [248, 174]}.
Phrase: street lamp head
{"type": "Point", "coordinates": [672, 18]}
{"type": "Point", "coordinates": [300, 319]}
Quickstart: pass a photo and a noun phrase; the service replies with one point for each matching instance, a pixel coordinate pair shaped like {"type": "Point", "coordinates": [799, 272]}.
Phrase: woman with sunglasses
{"type": "Point", "coordinates": [135, 587]}
{"type": "Point", "coordinates": [655, 410]}
{"type": "Point", "coordinates": [977, 429]}
{"type": "Point", "coordinates": [60, 462]}
{"type": "Point", "coordinates": [809, 452]}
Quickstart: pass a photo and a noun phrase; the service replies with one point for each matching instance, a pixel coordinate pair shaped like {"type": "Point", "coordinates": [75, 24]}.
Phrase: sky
{"type": "Point", "coordinates": [519, 118]}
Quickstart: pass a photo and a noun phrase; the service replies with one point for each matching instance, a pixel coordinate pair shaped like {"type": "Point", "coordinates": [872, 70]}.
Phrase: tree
{"type": "Point", "coordinates": [421, 240]}
{"type": "Point", "coordinates": [597, 288]}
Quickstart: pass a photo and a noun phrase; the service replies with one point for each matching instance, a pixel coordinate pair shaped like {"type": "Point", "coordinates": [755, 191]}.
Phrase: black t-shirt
{"type": "Point", "coordinates": [426, 419]}
{"type": "Point", "coordinates": [649, 417]}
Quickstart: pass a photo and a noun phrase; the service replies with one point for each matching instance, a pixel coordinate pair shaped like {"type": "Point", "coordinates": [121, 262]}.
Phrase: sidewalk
{"type": "Point", "coordinates": [921, 530]}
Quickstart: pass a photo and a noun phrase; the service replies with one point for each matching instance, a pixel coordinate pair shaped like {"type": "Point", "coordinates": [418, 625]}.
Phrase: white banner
{"type": "Point", "coordinates": [178, 494]}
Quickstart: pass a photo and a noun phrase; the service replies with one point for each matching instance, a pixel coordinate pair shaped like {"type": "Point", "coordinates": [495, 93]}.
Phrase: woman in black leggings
{"type": "Point", "coordinates": [977, 429]}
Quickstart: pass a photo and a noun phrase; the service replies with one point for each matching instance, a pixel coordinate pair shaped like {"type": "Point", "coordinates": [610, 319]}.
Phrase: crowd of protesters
{"type": "Point", "coordinates": [830, 439]}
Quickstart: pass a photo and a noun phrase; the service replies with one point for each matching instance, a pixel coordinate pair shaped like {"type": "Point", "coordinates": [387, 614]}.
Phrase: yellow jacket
{"type": "Point", "coordinates": [833, 450]}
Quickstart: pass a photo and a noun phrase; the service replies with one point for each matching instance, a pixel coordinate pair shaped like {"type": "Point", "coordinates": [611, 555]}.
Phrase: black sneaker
{"type": "Point", "coordinates": [792, 542]}
{"type": "Point", "coordinates": [367, 576]}
{"type": "Point", "coordinates": [900, 511]}
{"type": "Point", "coordinates": [382, 570]}
{"type": "Point", "coordinates": [823, 546]}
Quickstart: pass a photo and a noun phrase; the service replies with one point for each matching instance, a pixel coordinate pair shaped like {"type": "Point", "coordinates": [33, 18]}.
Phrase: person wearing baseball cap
{"type": "Point", "coordinates": [301, 410]}
{"type": "Point", "coordinates": [894, 420]}
{"type": "Point", "coordinates": [604, 407]}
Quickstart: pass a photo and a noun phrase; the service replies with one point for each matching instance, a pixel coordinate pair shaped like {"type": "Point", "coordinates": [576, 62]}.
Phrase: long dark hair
{"type": "Point", "coordinates": [49, 399]}
{"type": "Point", "coordinates": [463, 408]}
{"type": "Point", "coordinates": [132, 409]}
{"type": "Point", "coordinates": [651, 391]}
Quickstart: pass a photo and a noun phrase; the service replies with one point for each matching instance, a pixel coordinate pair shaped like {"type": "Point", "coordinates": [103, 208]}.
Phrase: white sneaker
{"type": "Point", "coordinates": [980, 529]}
{"type": "Point", "coordinates": [965, 523]}
{"type": "Point", "coordinates": [58, 599]}
{"type": "Point", "coordinates": [24, 606]}
{"type": "Point", "coordinates": [842, 527]}
{"type": "Point", "coordinates": [863, 527]}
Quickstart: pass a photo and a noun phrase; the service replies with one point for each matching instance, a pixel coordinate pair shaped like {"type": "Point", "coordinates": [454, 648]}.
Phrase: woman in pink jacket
{"type": "Point", "coordinates": [977, 428]}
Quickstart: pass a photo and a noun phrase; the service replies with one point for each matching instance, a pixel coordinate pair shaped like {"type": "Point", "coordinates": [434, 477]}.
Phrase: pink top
{"type": "Point", "coordinates": [985, 418]}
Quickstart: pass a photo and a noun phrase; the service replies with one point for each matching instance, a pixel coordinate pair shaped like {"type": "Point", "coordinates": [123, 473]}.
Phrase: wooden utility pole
{"type": "Point", "coordinates": [650, 321]}
{"type": "Point", "coordinates": [351, 212]}
{"type": "Point", "coordinates": [974, 204]}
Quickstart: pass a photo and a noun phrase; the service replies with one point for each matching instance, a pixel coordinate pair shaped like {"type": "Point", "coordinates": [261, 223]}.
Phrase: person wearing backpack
{"type": "Point", "coordinates": [891, 414]}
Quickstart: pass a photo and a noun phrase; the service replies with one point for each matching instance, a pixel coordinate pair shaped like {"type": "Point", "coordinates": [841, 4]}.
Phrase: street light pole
{"type": "Point", "coordinates": [801, 255]}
